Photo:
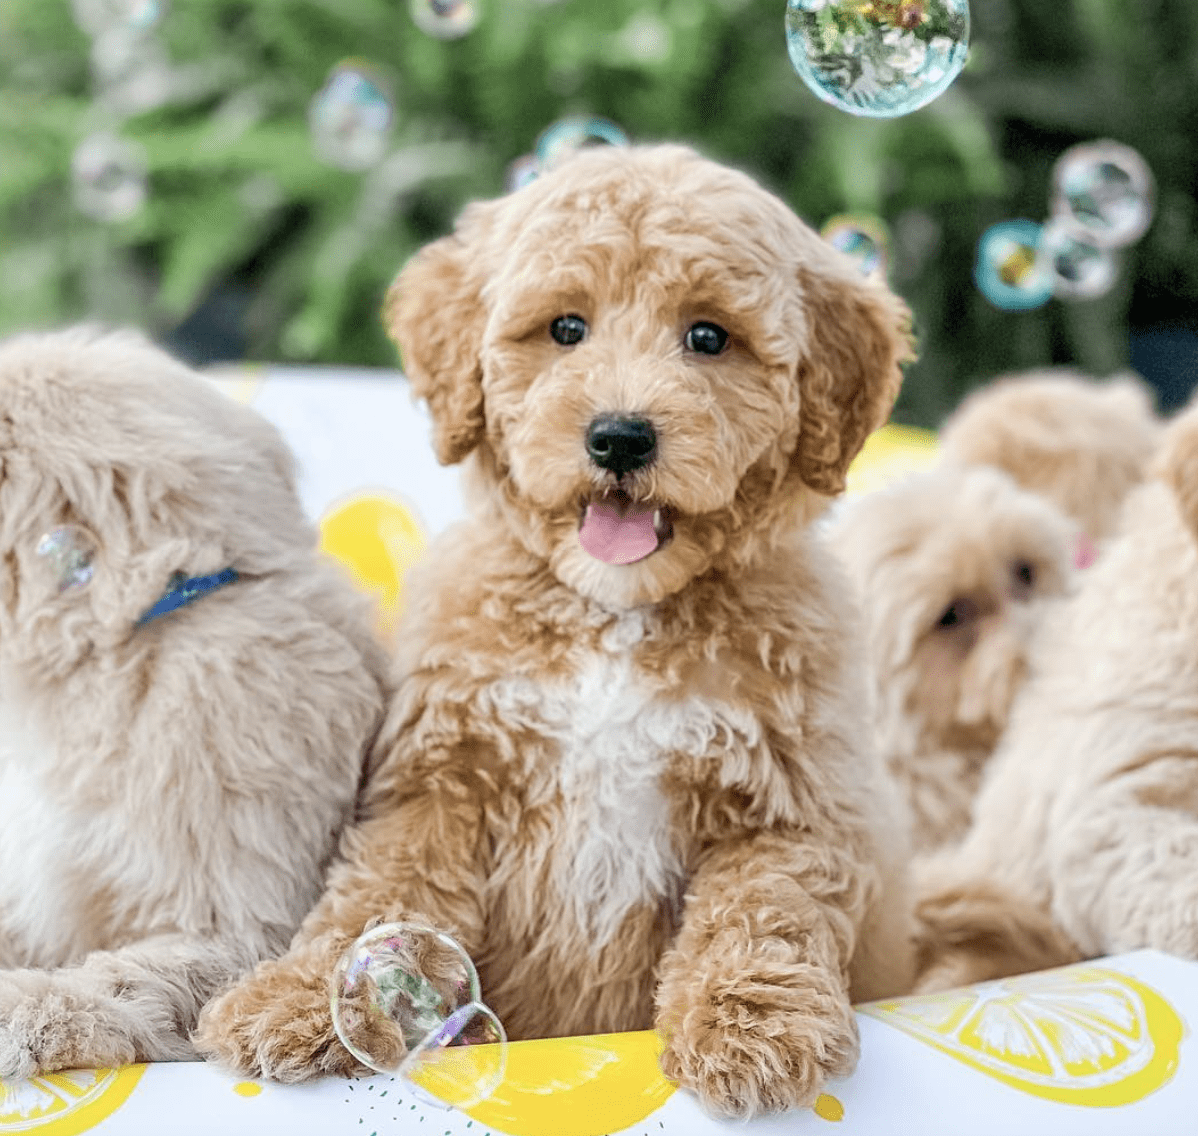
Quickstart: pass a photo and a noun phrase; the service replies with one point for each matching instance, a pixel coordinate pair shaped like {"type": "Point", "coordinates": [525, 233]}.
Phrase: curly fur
{"type": "Point", "coordinates": [954, 567]}
{"type": "Point", "coordinates": [1081, 443]}
{"type": "Point", "coordinates": [638, 794]}
{"type": "Point", "coordinates": [1090, 811]}
{"type": "Point", "coordinates": [167, 804]}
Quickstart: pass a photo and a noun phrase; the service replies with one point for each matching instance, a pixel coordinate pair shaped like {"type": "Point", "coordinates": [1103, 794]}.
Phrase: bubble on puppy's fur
{"type": "Point", "coordinates": [69, 554]}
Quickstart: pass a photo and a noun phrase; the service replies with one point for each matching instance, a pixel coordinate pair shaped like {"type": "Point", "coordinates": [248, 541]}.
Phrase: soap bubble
{"type": "Point", "coordinates": [1103, 191]}
{"type": "Point", "coordinates": [406, 1000]}
{"type": "Point", "coordinates": [860, 237]}
{"type": "Point", "coordinates": [350, 117]}
{"type": "Point", "coordinates": [132, 71]}
{"type": "Point", "coordinates": [445, 19]}
{"type": "Point", "coordinates": [99, 16]}
{"type": "Point", "coordinates": [1009, 271]}
{"type": "Point", "coordinates": [879, 58]}
{"type": "Point", "coordinates": [1077, 268]}
{"type": "Point", "coordinates": [69, 554]}
{"type": "Point", "coordinates": [523, 170]}
{"type": "Point", "coordinates": [109, 176]}
{"type": "Point", "coordinates": [569, 135]}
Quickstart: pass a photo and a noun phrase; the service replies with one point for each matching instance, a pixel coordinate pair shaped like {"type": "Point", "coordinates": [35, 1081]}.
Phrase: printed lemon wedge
{"type": "Point", "coordinates": [67, 1103]}
{"type": "Point", "coordinates": [1081, 1035]}
{"type": "Point", "coordinates": [377, 539]}
{"type": "Point", "coordinates": [888, 452]}
{"type": "Point", "coordinates": [571, 1086]}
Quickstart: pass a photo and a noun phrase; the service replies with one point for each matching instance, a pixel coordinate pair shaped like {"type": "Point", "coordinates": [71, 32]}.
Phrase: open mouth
{"type": "Point", "coordinates": [618, 530]}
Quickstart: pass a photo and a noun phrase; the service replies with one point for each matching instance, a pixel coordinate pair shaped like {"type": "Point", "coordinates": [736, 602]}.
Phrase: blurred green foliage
{"type": "Point", "coordinates": [245, 223]}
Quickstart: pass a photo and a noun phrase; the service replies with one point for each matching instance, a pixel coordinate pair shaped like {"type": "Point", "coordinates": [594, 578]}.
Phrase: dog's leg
{"type": "Point", "coordinates": [753, 998]}
{"type": "Point", "coordinates": [420, 864]}
{"type": "Point", "coordinates": [1123, 868]}
{"type": "Point", "coordinates": [975, 930]}
{"type": "Point", "coordinates": [138, 1003]}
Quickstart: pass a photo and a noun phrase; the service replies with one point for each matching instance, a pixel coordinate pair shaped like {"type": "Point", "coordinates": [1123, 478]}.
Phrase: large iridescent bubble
{"type": "Point", "coordinates": [1009, 270]}
{"type": "Point", "coordinates": [878, 58]}
{"type": "Point", "coordinates": [406, 1000]}
{"type": "Point", "coordinates": [1103, 192]}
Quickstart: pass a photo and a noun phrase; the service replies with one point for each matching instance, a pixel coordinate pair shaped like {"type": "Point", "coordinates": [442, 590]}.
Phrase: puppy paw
{"type": "Point", "coordinates": [745, 1048]}
{"type": "Point", "coordinates": [44, 1027]}
{"type": "Point", "coordinates": [277, 1023]}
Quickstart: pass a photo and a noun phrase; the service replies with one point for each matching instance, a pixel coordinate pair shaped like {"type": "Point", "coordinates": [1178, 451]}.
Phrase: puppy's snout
{"type": "Point", "coordinates": [621, 444]}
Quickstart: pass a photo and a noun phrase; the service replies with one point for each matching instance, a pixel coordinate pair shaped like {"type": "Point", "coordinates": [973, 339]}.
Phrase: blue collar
{"type": "Point", "coordinates": [184, 590]}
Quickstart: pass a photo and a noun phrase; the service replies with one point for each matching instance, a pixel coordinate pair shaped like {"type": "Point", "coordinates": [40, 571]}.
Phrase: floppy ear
{"type": "Point", "coordinates": [435, 313]}
{"type": "Point", "coordinates": [859, 334]}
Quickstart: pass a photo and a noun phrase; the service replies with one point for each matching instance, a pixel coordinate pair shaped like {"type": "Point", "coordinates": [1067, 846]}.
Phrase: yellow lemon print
{"type": "Point", "coordinates": [573, 1086]}
{"type": "Point", "coordinates": [377, 539]}
{"type": "Point", "coordinates": [66, 1103]}
{"type": "Point", "coordinates": [889, 452]}
{"type": "Point", "coordinates": [1080, 1035]}
{"type": "Point", "coordinates": [828, 1107]}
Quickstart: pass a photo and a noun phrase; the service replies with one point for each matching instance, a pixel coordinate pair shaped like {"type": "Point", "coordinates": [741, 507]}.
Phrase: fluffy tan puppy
{"type": "Point", "coordinates": [171, 785]}
{"type": "Point", "coordinates": [1086, 832]}
{"type": "Point", "coordinates": [1082, 443]}
{"type": "Point", "coordinates": [628, 769]}
{"type": "Point", "coordinates": [953, 567]}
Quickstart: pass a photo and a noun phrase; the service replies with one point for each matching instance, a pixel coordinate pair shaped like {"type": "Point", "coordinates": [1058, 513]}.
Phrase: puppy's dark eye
{"type": "Point", "coordinates": [958, 613]}
{"type": "Point", "coordinates": [1023, 576]}
{"type": "Point", "coordinates": [706, 339]}
{"type": "Point", "coordinates": [568, 330]}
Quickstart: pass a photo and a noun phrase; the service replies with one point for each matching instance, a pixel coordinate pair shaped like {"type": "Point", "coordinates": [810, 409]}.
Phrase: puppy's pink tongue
{"type": "Point", "coordinates": [618, 535]}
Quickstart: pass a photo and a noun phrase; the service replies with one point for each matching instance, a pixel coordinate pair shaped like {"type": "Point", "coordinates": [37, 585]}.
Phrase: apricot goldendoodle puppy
{"type": "Point", "coordinates": [1086, 831]}
{"type": "Point", "coordinates": [954, 567]}
{"type": "Point", "coordinates": [1082, 443]}
{"type": "Point", "coordinates": [628, 767]}
{"type": "Point", "coordinates": [187, 699]}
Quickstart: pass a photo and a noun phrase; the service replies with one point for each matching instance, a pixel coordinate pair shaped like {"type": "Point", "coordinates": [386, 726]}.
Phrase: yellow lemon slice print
{"type": "Point", "coordinates": [570, 1086]}
{"type": "Point", "coordinates": [377, 539]}
{"type": "Point", "coordinates": [889, 452]}
{"type": "Point", "coordinates": [67, 1103]}
{"type": "Point", "coordinates": [1080, 1035]}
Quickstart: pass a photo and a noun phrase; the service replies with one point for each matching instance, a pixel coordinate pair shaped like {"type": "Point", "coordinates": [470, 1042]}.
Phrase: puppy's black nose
{"type": "Point", "coordinates": [621, 444]}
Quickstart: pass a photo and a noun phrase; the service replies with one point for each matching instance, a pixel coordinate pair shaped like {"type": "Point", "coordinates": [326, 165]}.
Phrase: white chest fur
{"type": "Point", "coordinates": [37, 832]}
{"type": "Point", "coordinates": [618, 847]}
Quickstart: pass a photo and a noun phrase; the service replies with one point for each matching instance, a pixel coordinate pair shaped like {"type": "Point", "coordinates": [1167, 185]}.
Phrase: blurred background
{"type": "Point", "coordinates": [162, 164]}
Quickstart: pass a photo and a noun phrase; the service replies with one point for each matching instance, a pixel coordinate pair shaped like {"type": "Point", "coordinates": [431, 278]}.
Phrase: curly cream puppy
{"type": "Point", "coordinates": [628, 767]}
{"type": "Point", "coordinates": [1082, 443]}
{"type": "Point", "coordinates": [953, 567]}
{"type": "Point", "coordinates": [1086, 830]}
{"type": "Point", "coordinates": [173, 772]}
